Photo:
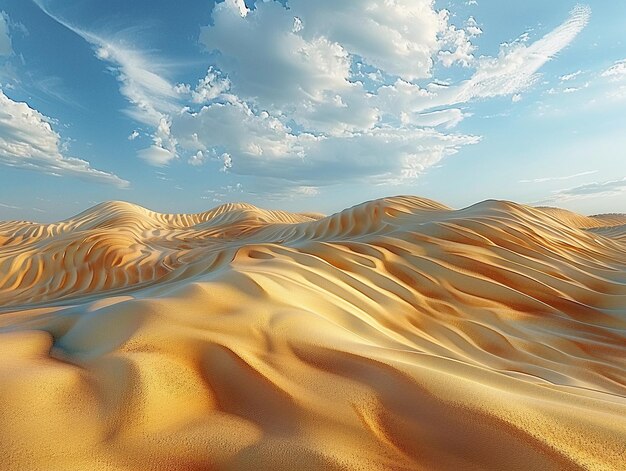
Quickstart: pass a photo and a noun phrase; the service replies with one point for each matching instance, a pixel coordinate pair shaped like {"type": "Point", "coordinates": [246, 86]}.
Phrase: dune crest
{"type": "Point", "coordinates": [398, 334]}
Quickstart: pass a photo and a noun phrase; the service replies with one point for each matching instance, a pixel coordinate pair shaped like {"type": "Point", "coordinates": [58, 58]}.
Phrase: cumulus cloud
{"type": "Point", "coordinates": [457, 46]}
{"type": "Point", "coordinates": [197, 159]}
{"type": "Point", "coordinates": [210, 87]}
{"type": "Point", "coordinates": [316, 93]}
{"type": "Point", "coordinates": [295, 108]}
{"type": "Point", "coordinates": [262, 145]}
{"type": "Point", "coordinates": [399, 37]}
{"type": "Point", "coordinates": [28, 141]}
{"type": "Point", "coordinates": [471, 26]}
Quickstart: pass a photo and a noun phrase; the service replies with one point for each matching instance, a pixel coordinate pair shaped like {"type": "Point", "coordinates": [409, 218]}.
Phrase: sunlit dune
{"type": "Point", "coordinates": [398, 334]}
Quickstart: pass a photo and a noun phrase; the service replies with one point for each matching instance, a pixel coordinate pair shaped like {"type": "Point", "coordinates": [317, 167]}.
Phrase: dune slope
{"type": "Point", "coordinates": [396, 335]}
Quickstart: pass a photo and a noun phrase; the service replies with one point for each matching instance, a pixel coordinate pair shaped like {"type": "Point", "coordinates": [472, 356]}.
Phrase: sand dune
{"type": "Point", "coordinates": [396, 335]}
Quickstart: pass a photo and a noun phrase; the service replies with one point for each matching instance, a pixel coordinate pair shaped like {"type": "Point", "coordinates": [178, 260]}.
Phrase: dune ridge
{"type": "Point", "coordinates": [397, 334]}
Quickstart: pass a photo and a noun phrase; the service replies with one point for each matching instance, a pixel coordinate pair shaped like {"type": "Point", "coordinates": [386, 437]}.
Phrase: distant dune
{"type": "Point", "coordinates": [395, 335]}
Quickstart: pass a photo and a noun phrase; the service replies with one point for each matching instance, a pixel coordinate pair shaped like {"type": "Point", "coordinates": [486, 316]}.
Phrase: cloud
{"type": "Point", "coordinates": [399, 37]}
{"type": "Point", "coordinates": [28, 141]}
{"type": "Point", "coordinates": [516, 66]}
{"type": "Point", "coordinates": [317, 93]}
{"type": "Point", "coordinates": [571, 89]}
{"type": "Point", "coordinates": [471, 26]}
{"type": "Point", "coordinates": [552, 179]}
{"type": "Point", "coordinates": [142, 83]}
{"type": "Point", "coordinates": [568, 77]}
{"type": "Point", "coordinates": [6, 49]}
{"type": "Point", "coordinates": [617, 71]}
{"type": "Point", "coordinates": [591, 190]}
{"type": "Point", "coordinates": [156, 155]}
{"type": "Point", "coordinates": [292, 106]}
{"type": "Point", "coordinates": [210, 87]}
{"type": "Point", "coordinates": [261, 145]}
{"type": "Point", "coordinates": [151, 95]}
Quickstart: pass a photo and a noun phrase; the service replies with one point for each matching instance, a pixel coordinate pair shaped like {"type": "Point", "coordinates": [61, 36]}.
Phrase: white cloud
{"type": "Point", "coordinates": [306, 191]}
{"type": "Point", "coordinates": [471, 26]}
{"type": "Point", "coordinates": [295, 66]}
{"type": "Point", "coordinates": [460, 49]}
{"type": "Point", "coordinates": [551, 179]}
{"type": "Point", "coordinates": [6, 49]}
{"type": "Point", "coordinates": [227, 161]}
{"type": "Point", "coordinates": [322, 92]}
{"type": "Point", "coordinates": [149, 92]}
{"type": "Point", "coordinates": [268, 62]}
{"type": "Point", "coordinates": [447, 118]}
{"type": "Point", "coordinates": [516, 66]}
{"type": "Point", "coordinates": [133, 135]}
{"type": "Point", "coordinates": [591, 190]}
{"type": "Point", "coordinates": [568, 77]}
{"type": "Point", "coordinates": [156, 155]}
{"type": "Point", "coordinates": [617, 94]}
{"type": "Point", "coordinates": [262, 146]}
{"type": "Point", "coordinates": [617, 71]}
{"type": "Point", "coordinates": [28, 141]}
{"type": "Point", "coordinates": [210, 87]}
{"type": "Point", "coordinates": [197, 159]}
{"type": "Point", "coordinates": [456, 45]}
{"type": "Point", "coordinates": [400, 37]}
{"type": "Point", "coordinates": [142, 83]}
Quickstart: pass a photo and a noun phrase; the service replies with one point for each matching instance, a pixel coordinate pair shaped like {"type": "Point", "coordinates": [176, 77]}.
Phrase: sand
{"type": "Point", "coordinates": [395, 335]}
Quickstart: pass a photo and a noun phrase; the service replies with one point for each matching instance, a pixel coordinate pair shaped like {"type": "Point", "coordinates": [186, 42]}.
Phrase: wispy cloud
{"type": "Point", "coordinates": [588, 190]}
{"type": "Point", "coordinates": [559, 178]}
{"type": "Point", "coordinates": [516, 66]}
{"type": "Point", "coordinates": [605, 188]}
{"type": "Point", "coordinates": [572, 76]}
{"type": "Point", "coordinates": [6, 48]}
{"type": "Point", "coordinates": [142, 83]}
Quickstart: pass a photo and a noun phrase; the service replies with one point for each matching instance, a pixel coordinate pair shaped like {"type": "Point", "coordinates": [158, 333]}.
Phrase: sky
{"type": "Point", "coordinates": [310, 105]}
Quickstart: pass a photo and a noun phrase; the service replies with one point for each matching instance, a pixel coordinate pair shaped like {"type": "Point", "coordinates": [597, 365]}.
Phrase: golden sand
{"type": "Point", "coordinates": [396, 335]}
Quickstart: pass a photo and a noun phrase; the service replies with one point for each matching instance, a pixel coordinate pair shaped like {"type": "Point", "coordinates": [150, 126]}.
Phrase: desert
{"type": "Point", "coordinates": [397, 334]}
{"type": "Point", "coordinates": [291, 235]}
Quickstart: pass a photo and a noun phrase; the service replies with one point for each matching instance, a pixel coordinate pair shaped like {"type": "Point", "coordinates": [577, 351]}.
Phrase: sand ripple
{"type": "Point", "coordinates": [398, 334]}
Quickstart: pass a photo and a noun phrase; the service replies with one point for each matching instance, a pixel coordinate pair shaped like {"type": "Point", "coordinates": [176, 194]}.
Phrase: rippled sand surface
{"type": "Point", "coordinates": [395, 335]}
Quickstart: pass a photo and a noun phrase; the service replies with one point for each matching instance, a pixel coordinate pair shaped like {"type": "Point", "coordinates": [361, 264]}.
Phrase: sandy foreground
{"type": "Point", "coordinates": [395, 335]}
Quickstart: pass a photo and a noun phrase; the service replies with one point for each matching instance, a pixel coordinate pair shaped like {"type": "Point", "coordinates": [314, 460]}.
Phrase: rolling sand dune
{"type": "Point", "coordinates": [395, 335]}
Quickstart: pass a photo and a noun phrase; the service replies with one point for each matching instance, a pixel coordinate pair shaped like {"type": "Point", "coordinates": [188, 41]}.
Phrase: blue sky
{"type": "Point", "coordinates": [304, 105]}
